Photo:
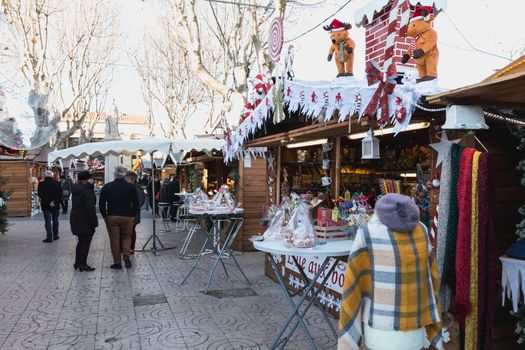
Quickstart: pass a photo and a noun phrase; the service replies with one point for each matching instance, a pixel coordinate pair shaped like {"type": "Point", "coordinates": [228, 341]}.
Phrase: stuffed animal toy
{"type": "Point", "coordinates": [342, 46]}
{"type": "Point", "coordinates": [424, 47]}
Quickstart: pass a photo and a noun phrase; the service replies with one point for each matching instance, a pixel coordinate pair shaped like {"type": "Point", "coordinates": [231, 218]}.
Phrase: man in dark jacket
{"type": "Point", "coordinates": [173, 189]}
{"type": "Point", "coordinates": [50, 193]}
{"type": "Point", "coordinates": [83, 218]}
{"type": "Point", "coordinates": [132, 178]}
{"type": "Point", "coordinates": [118, 205]}
{"type": "Point", "coordinates": [67, 187]}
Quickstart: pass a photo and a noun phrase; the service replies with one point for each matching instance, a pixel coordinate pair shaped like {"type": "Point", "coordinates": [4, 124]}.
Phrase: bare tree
{"type": "Point", "coordinates": [233, 31]}
{"type": "Point", "coordinates": [168, 82]}
{"type": "Point", "coordinates": [69, 45]}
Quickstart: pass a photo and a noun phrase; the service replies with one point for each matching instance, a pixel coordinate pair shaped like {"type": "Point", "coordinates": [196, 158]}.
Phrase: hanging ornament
{"type": "Point", "coordinates": [275, 39]}
{"type": "Point", "coordinates": [338, 98]}
{"type": "Point", "coordinates": [442, 147]}
{"type": "Point", "coordinates": [400, 114]}
{"type": "Point", "coordinates": [288, 69]}
{"type": "Point", "coordinates": [301, 96]}
{"type": "Point", "coordinates": [357, 100]}
{"type": "Point", "coordinates": [325, 97]}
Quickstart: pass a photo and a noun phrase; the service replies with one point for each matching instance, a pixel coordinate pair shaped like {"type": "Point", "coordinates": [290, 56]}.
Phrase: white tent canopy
{"type": "Point", "coordinates": [176, 148]}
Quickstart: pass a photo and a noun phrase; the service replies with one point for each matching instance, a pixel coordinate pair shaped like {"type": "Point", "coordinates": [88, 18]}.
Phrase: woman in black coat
{"type": "Point", "coordinates": [83, 218]}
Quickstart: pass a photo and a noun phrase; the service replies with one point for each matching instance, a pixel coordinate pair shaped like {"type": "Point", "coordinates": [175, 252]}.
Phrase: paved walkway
{"type": "Point", "coordinates": [46, 304]}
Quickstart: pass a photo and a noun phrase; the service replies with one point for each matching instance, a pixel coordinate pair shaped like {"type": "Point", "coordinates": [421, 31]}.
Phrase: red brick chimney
{"type": "Point", "coordinates": [374, 18]}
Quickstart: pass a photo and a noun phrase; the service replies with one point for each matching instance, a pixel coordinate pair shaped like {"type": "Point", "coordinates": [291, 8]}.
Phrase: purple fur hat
{"type": "Point", "coordinates": [399, 213]}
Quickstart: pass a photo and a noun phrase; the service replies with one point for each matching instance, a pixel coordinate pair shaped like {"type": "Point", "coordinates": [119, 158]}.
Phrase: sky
{"type": "Point", "coordinates": [465, 29]}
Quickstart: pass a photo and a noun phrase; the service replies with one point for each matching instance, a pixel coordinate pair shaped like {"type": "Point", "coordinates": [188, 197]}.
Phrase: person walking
{"type": "Point", "coordinates": [132, 178]}
{"type": "Point", "coordinates": [118, 205]}
{"type": "Point", "coordinates": [50, 193]}
{"type": "Point", "coordinates": [83, 218]}
{"type": "Point", "coordinates": [67, 186]}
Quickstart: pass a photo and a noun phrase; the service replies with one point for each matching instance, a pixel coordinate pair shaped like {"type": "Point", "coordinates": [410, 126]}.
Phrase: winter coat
{"type": "Point", "coordinates": [142, 200]}
{"type": "Point", "coordinates": [165, 196]}
{"type": "Point", "coordinates": [83, 218]}
{"type": "Point", "coordinates": [49, 190]}
{"type": "Point", "coordinates": [67, 187]}
{"type": "Point", "coordinates": [173, 187]}
{"type": "Point", "coordinates": [118, 198]}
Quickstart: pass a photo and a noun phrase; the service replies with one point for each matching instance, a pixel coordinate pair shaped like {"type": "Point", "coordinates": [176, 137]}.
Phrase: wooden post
{"type": "Point", "coordinates": [278, 176]}
{"type": "Point", "coordinates": [336, 168]}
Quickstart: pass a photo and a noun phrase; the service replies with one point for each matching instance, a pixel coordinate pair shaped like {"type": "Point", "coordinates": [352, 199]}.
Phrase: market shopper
{"type": "Point", "coordinates": [67, 187]}
{"type": "Point", "coordinates": [50, 193]}
{"type": "Point", "coordinates": [173, 189]}
{"type": "Point", "coordinates": [132, 178]}
{"type": "Point", "coordinates": [83, 218]}
{"type": "Point", "coordinates": [118, 205]}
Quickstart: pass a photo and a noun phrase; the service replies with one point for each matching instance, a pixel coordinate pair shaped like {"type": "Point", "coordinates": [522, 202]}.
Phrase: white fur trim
{"type": "Point", "coordinates": [427, 18]}
{"type": "Point", "coordinates": [338, 29]}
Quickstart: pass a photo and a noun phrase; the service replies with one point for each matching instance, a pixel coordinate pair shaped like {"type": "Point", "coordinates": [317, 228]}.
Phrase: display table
{"type": "Point", "coordinates": [512, 280]}
{"type": "Point", "coordinates": [222, 241]}
{"type": "Point", "coordinates": [334, 250]}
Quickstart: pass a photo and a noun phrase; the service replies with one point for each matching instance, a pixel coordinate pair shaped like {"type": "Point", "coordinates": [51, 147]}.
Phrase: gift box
{"type": "Point", "coordinates": [332, 233]}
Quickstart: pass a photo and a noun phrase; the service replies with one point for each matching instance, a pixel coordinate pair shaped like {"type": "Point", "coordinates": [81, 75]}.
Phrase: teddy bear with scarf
{"type": "Point", "coordinates": [424, 46]}
{"type": "Point", "coordinates": [342, 46]}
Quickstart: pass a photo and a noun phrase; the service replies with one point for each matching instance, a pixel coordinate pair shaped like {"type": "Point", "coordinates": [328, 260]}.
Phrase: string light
{"type": "Point", "coordinates": [487, 114]}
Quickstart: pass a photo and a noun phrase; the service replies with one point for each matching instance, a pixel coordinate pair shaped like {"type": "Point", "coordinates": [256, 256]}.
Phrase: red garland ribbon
{"type": "Point", "coordinates": [227, 136]}
{"type": "Point", "coordinates": [386, 87]}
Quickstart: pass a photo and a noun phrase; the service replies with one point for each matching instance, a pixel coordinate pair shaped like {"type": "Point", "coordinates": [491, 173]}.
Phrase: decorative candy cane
{"type": "Point", "coordinates": [405, 17]}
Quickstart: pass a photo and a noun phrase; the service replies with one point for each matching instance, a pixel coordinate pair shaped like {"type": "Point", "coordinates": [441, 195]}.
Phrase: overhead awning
{"type": "Point", "coordinates": [174, 147]}
{"type": "Point", "coordinates": [505, 92]}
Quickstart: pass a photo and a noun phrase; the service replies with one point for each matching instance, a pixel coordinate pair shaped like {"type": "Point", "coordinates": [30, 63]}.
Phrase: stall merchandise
{"type": "Point", "coordinates": [466, 249]}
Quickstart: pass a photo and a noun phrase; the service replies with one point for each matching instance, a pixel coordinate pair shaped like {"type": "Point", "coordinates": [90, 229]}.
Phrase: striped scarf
{"type": "Point", "coordinates": [449, 263]}
{"type": "Point", "coordinates": [391, 282]}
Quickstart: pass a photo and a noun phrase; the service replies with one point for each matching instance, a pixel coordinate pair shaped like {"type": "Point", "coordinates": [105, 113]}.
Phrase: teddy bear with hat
{"type": "Point", "coordinates": [342, 46]}
{"type": "Point", "coordinates": [424, 46]}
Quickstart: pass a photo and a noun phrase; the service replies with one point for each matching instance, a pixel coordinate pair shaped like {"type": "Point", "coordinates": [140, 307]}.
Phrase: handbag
{"type": "Point", "coordinates": [157, 196]}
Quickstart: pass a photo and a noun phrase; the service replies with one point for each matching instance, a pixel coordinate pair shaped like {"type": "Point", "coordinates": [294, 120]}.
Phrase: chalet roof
{"type": "Point", "coordinates": [503, 89]}
{"type": "Point", "coordinates": [366, 14]}
{"type": "Point", "coordinates": [513, 67]}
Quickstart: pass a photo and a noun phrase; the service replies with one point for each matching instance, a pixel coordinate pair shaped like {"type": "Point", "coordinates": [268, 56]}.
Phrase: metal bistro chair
{"type": "Point", "coordinates": [164, 209]}
{"type": "Point", "coordinates": [183, 221]}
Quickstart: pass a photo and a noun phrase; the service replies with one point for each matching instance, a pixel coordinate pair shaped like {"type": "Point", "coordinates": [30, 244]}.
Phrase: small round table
{"type": "Point", "coordinates": [221, 242]}
{"type": "Point", "coordinates": [328, 250]}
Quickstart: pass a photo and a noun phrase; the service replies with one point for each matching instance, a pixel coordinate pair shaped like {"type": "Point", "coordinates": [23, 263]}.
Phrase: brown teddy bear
{"type": "Point", "coordinates": [342, 46]}
{"type": "Point", "coordinates": [424, 47]}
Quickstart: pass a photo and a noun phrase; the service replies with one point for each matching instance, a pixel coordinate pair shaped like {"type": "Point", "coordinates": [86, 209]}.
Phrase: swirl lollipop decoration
{"type": "Point", "coordinates": [275, 39]}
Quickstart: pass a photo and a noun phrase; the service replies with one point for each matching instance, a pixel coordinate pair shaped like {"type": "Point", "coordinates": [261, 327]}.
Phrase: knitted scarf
{"type": "Point", "coordinates": [471, 322]}
{"type": "Point", "coordinates": [464, 192]}
{"type": "Point", "coordinates": [449, 263]}
{"type": "Point", "coordinates": [444, 206]}
{"type": "Point", "coordinates": [487, 296]}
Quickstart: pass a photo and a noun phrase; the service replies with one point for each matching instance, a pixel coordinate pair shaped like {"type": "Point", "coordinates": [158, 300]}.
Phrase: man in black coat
{"type": "Point", "coordinates": [50, 193]}
{"type": "Point", "coordinates": [173, 188]}
{"type": "Point", "coordinates": [118, 205]}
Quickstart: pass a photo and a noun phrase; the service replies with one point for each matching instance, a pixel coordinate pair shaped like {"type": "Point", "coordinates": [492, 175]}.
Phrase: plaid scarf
{"type": "Point", "coordinates": [391, 281]}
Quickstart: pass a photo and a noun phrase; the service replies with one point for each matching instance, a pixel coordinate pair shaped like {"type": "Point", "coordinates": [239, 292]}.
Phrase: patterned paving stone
{"type": "Point", "coordinates": [46, 304]}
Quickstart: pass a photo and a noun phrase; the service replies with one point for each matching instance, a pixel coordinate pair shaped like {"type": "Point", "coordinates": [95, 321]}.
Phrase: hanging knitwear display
{"type": "Point", "coordinates": [464, 190]}
{"type": "Point", "coordinates": [444, 207]}
{"type": "Point", "coordinates": [471, 326]}
{"type": "Point", "coordinates": [487, 295]}
{"type": "Point", "coordinates": [449, 263]}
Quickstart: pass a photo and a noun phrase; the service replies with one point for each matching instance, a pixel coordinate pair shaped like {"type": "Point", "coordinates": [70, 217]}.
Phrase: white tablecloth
{"type": "Point", "coordinates": [338, 248]}
{"type": "Point", "coordinates": [513, 280]}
